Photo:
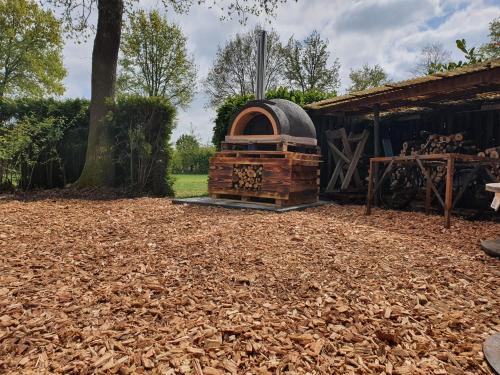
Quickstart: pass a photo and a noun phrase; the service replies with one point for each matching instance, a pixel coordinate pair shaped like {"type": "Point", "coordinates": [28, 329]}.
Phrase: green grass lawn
{"type": "Point", "coordinates": [190, 185]}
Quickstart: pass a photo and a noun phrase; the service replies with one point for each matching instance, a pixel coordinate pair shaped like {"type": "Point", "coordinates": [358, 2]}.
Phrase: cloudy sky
{"type": "Point", "coordinates": [386, 32]}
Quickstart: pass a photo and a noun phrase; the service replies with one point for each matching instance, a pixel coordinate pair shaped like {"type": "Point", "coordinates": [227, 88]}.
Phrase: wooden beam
{"type": "Point", "coordinates": [448, 84]}
{"type": "Point", "coordinates": [369, 196]}
{"type": "Point", "coordinates": [376, 142]}
{"type": "Point", "coordinates": [450, 169]}
{"type": "Point", "coordinates": [429, 181]}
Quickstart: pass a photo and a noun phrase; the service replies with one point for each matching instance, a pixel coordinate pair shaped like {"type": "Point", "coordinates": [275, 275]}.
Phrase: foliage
{"type": "Point", "coordinates": [367, 77]}
{"type": "Point", "coordinates": [30, 50]}
{"type": "Point", "coordinates": [306, 65]}
{"type": "Point", "coordinates": [471, 55]}
{"type": "Point", "coordinates": [190, 185]}
{"type": "Point", "coordinates": [491, 50]}
{"type": "Point", "coordinates": [141, 129]}
{"type": "Point", "coordinates": [190, 156]}
{"type": "Point", "coordinates": [231, 105]}
{"type": "Point", "coordinates": [22, 147]}
{"type": "Point", "coordinates": [43, 141]}
{"type": "Point", "coordinates": [234, 70]}
{"type": "Point", "coordinates": [155, 61]}
{"type": "Point", "coordinates": [224, 114]}
{"type": "Point", "coordinates": [187, 142]}
{"type": "Point", "coordinates": [76, 13]}
{"type": "Point", "coordinates": [435, 56]}
{"type": "Point", "coordinates": [431, 55]}
{"type": "Point", "coordinates": [299, 97]}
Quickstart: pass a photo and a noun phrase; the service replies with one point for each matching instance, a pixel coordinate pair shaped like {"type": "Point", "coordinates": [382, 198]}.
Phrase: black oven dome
{"type": "Point", "coordinates": [272, 117]}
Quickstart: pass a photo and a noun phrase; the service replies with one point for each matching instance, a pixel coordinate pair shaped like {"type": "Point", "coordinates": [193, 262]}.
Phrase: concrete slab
{"type": "Point", "coordinates": [230, 203]}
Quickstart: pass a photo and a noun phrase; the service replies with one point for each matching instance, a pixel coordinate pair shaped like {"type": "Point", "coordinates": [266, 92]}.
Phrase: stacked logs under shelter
{"type": "Point", "coordinates": [444, 144]}
{"type": "Point", "coordinates": [270, 155]}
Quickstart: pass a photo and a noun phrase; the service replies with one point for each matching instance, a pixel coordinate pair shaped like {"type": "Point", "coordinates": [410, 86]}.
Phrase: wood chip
{"type": "Point", "coordinates": [143, 286]}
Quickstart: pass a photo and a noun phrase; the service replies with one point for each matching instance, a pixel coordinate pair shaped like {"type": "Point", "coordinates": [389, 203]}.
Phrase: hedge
{"type": "Point", "coordinates": [43, 143]}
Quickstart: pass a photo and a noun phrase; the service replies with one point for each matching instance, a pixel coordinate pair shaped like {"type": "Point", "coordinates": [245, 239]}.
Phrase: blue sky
{"type": "Point", "coordinates": [386, 32]}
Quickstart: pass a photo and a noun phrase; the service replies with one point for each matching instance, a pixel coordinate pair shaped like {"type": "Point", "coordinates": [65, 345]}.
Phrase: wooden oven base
{"type": "Point", "coordinates": [285, 179]}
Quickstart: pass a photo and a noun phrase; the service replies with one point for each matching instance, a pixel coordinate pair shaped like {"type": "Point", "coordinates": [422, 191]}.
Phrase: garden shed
{"type": "Point", "coordinates": [404, 118]}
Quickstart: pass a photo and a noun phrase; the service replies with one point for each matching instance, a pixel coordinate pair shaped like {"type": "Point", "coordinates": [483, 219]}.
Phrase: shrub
{"type": "Point", "coordinates": [142, 154]}
{"type": "Point", "coordinates": [43, 142]}
{"type": "Point", "coordinates": [231, 105]}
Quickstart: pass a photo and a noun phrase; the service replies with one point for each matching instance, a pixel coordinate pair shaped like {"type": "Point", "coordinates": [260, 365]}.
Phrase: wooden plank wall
{"type": "Point", "coordinates": [481, 126]}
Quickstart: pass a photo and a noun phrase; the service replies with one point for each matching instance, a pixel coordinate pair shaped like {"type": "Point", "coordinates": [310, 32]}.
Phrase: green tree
{"type": "Point", "coordinates": [155, 61]}
{"type": "Point", "coordinates": [98, 170]}
{"type": "Point", "coordinates": [491, 50]}
{"type": "Point", "coordinates": [187, 142]}
{"type": "Point", "coordinates": [30, 50]}
{"type": "Point", "coordinates": [367, 77]}
{"type": "Point", "coordinates": [306, 65]}
{"type": "Point", "coordinates": [190, 156]}
{"type": "Point", "coordinates": [234, 71]}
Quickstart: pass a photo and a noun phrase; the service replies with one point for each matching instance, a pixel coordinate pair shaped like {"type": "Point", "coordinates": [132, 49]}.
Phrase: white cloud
{"type": "Point", "coordinates": [386, 32]}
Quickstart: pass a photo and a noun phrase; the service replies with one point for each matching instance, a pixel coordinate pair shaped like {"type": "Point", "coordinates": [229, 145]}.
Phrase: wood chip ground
{"type": "Point", "coordinates": [143, 286]}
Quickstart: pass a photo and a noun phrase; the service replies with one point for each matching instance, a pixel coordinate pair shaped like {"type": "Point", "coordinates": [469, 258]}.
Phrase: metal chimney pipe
{"type": "Point", "coordinates": [261, 65]}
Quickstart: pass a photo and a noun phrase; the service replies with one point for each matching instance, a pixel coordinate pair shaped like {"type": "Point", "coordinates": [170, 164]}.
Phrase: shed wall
{"type": "Point", "coordinates": [482, 127]}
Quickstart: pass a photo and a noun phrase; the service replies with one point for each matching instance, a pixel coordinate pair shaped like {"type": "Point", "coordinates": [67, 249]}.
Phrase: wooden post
{"type": "Point", "coordinates": [448, 199]}
{"type": "Point", "coordinates": [376, 142]}
{"type": "Point", "coordinates": [428, 192]}
{"type": "Point", "coordinates": [369, 196]}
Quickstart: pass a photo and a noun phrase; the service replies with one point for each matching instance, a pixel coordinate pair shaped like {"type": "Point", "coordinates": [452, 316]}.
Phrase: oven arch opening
{"type": "Point", "coordinates": [254, 121]}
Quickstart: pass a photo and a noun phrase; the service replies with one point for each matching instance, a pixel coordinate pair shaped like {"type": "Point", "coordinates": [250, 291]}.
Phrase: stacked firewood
{"type": "Point", "coordinates": [402, 178]}
{"type": "Point", "coordinates": [440, 144]}
{"type": "Point", "coordinates": [495, 173]}
{"type": "Point", "coordinates": [492, 152]}
{"type": "Point", "coordinates": [443, 144]}
{"type": "Point", "coordinates": [247, 176]}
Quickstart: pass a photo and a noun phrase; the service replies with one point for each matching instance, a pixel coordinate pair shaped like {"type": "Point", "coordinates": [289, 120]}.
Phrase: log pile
{"type": "Point", "coordinates": [247, 176]}
{"type": "Point", "coordinates": [494, 153]}
{"type": "Point", "coordinates": [442, 144]}
{"type": "Point", "coordinates": [402, 178]}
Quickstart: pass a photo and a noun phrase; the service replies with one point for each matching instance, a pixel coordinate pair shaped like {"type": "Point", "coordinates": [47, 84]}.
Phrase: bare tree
{"type": "Point", "coordinates": [306, 64]}
{"type": "Point", "coordinates": [234, 71]}
{"type": "Point", "coordinates": [431, 55]}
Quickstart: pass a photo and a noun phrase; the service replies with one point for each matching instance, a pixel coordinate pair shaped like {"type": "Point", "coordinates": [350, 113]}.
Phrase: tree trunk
{"type": "Point", "coordinates": [98, 169]}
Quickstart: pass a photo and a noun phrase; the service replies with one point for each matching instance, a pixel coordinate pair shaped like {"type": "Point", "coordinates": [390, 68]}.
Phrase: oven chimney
{"type": "Point", "coordinates": [261, 65]}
